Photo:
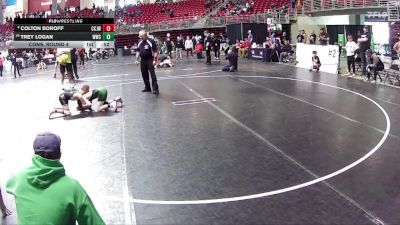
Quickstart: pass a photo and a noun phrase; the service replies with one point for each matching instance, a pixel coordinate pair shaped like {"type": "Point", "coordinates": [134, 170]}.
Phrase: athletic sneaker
{"type": "Point", "coordinates": [114, 105]}
{"type": "Point", "coordinates": [146, 90]}
{"type": "Point", "coordinates": [118, 99]}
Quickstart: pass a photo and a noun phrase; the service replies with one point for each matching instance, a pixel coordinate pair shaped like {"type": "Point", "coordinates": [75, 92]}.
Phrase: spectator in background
{"type": "Point", "coordinates": [169, 44]}
{"type": "Point", "coordinates": [275, 49]}
{"type": "Point", "coordinates": [217, 45]}
{"type": "Point", "coordinates": [316, 63]}
{"type": "Point", "coordinates": [300, 37]}
{"type": "Point", "coordinates": [313, 38]}
{"type": "Point", "coordinates": [44, 194]}
{"type": "Point", "coordinates": [272, 37]}
{"type": "Point", "coordinates": [199, 50]}
{"type": "Point", "coordinates": [396, 48]}
{"type": "Point", "coordinates": [225, 47]}
{"type": "Point", "coordinates": [194, 41]}
{"type": "Point", "coordinates": [14, 62]}
{"type": "Point", "coordinates": [303, 32]}
{"type": "Point", "coordinates": [41, 65]}
{"type": "Point", "coordinates": [250, 36]}
{"type": "Point", "coordinates": [241, 48]}
{"type": "Point", "coordinates": [208, 47]}
{"type": "Point", "coordinates": [247, 46]}
{"type": "Point", "coordinates": [267, 43]}
{"type": "Point", "coordinates": [285, 51]}
{"type": "Point", "coordinates": [285, 36]}
{"type": "Point", "coordinates": [81, 53]}
{"type": "Point", "coordinates": [222, 41]}
{"type": "Point", "coordinates": [323, 37]}
{"type": "Point", "coordinates": [189, 47]}
{"type": "Point", "coordinates": [180, 45]}
{"type": "Point", "coordinates": [364, 42]}
{"type": "Point", "coordinates": [351, 47]}
{"type": "Point", "coordinates": [374, 65]}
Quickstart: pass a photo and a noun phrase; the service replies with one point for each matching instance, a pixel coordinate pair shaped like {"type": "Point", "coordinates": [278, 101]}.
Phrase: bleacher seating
{"type": "Point", "coordinates": [84, 13]}
{"type": "Point", "coordinates": [6, 34]}
{"type": "Point", "coordinates": [259, 6]}
{"type": "Point", "coordinates": [7, 28]}
{"type": "Point", "coordinates": [157, 12]}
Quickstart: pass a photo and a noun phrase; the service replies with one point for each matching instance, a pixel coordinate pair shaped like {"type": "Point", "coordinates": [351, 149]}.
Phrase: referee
{"type": "Point", "coordinates": [147, 50]}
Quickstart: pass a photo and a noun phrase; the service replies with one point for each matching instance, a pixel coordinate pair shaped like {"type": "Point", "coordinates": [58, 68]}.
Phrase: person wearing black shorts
{"type": "Point", "coordinates": [64, 99]}
{"type": "Point", "coordinates": [65, 61]}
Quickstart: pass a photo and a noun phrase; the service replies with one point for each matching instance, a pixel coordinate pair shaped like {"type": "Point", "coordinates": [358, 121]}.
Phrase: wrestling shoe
{"type": "Point", "coordinates": [156, 92]}
{"type": "Point", "coordinates": [118, 99]}
{"type": "Point", "coordinates": [114, 105]}
{"type": "Point", "coordinates": [146, 90]}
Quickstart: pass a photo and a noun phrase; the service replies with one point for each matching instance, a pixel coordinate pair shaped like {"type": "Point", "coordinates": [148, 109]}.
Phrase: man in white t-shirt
{"type": "Point", "coordinates": [351, 47]}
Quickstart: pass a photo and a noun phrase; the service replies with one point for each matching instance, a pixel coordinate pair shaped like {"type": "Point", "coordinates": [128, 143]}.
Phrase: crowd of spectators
{"type": "Point", "coordinates": [236, 7]}
{"type": "Point", "coordinates": [162, 11]}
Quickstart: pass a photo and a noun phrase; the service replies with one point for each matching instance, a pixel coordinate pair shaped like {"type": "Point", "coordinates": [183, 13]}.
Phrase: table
{"type": "Point", "coordinates": [260, 53]}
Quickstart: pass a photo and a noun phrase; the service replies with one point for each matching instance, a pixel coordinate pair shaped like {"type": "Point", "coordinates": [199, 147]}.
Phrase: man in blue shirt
{"type": "Point", "coordinates": [148, 53]}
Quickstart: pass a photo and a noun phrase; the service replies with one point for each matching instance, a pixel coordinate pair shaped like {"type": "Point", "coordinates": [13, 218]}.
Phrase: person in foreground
{"type": "Point", "coordinates": [233, 61]}
{"type": "Point", "coordinates": [44, 194]}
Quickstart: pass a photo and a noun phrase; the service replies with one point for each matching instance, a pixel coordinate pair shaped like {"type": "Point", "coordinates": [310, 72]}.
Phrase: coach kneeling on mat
{"type": "Point", "coordinates": [148, 52]}
{"type": "Point", "coordinates": [44, 194]}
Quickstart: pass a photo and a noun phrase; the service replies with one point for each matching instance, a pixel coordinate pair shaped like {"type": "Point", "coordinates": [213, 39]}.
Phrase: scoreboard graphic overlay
{"type": "Point", "coordinates": [64, 33]}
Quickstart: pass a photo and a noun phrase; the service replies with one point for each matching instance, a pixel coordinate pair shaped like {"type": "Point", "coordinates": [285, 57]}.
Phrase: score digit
{"type": "Point", "coordinates": [108, 36]}
{"type": "Point", "coordinates": [108, 27]}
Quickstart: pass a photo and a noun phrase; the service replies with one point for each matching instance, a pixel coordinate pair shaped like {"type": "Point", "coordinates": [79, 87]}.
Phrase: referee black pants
{"type": "Point", "coordinates": [16, 68]}
{"type": "Point", "coordinates": [208, 56]}
{"type": "Point", "coordinates": [147, 66]}
{"type": "Point", "coordinates": [75, 69]}
{"type": "Point", "coordinates": [364, 62]}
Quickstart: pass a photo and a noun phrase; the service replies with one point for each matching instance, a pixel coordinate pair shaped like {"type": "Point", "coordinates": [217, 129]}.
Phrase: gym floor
{"type": "Point", "coordinates": [270, 144]}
